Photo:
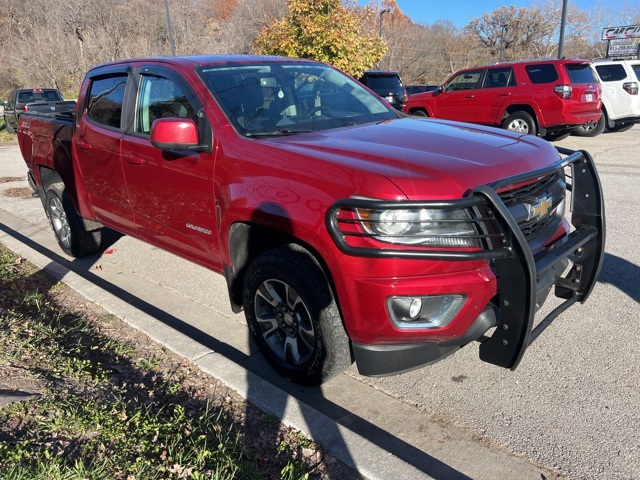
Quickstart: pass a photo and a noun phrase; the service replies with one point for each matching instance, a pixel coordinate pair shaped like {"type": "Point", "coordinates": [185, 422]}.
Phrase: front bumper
{"type": "Point", "coordinates": [524, 277]}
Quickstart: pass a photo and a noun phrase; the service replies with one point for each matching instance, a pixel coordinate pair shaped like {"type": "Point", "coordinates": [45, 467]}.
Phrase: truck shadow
{"type": "Point", "coordinates": [291, 394]}
{"type": "Point", "coordinates": [622, 274]}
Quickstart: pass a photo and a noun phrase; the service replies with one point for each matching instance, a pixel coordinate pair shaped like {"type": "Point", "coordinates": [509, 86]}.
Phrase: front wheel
{"type": "Point", "coordinates": [419, 113]}
{"type": "Point", "coordinates": [293, 317]}
{"type": "Point", "coordinates": [520, 122]}
{"type": "Point", "coordinates": [67, 225]}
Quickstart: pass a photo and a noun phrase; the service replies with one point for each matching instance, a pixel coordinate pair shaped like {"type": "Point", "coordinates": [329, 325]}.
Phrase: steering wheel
{"type": "Point", "coordinates": [322, 109]}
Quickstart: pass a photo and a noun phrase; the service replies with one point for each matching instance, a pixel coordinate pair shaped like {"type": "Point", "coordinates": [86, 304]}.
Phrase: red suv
{"type": "Point", "coordinates": [546, 97]}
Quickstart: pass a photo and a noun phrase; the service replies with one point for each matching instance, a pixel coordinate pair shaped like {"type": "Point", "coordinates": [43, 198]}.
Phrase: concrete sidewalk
{"type": "Point", "coordinates": [378, 435]}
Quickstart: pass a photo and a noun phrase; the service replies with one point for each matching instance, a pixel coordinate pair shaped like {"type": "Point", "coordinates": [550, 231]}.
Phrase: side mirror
{"type": "Point", "coordinates": [441, 88]}
{"type": "Point", "coordinates": [174, 134]}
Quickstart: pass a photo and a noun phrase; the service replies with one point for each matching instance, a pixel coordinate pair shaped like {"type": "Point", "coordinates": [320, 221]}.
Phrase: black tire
{"type": "Point", "coordinates": [419, 113]}
{"type": "Point", "coordinates": [557, 136]}
{"type": "Point", "coordinates": [293, 317]}
{"type": "Point", "coordinates": [67, 225]}
{"type": "Point", "coordinates": [520, 122]}
{"type": "Point", "coordinates": [622, 127]}
{"type": "Point", "coordinates": [594, 130]}
{"type": "Point", "coordinates": [8, 126]}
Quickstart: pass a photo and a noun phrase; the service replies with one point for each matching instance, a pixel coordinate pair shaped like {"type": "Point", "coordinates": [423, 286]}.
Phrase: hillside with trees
{"type": "Point", "coordinates": [52, 43]}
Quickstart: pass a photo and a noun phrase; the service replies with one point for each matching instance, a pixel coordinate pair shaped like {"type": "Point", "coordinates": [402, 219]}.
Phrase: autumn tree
{"type": "Point", "coordinates": [322, 30]}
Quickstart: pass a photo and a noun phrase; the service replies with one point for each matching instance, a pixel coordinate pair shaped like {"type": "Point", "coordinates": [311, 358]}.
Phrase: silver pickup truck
{"type": "Point", "coordinates": [33, 100]}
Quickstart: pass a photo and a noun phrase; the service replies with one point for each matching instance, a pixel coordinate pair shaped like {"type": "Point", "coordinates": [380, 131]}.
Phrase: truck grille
{"type": "Point", "coordinates": [534, 206]}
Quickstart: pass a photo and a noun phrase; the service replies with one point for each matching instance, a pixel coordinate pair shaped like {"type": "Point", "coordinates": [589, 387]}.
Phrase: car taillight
{"type": "Point", "coordinates": [26, 108]}
{"type": "Point", "coordinates": [631, 88]}
{"type": "Point", "coordinates": [563, 91]}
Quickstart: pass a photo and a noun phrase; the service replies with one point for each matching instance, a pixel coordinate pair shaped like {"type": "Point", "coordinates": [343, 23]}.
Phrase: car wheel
{"type": "Point", "coordinates": [8, 126]}
{"type": "Point", "coordinates": [293, 317]}
{"type": "Point", "coordinates": [592, 130]}
{"type": "Point", "coordinates": [622, 127]}
{"type": "Point", "coordinates": [67, 225]}
{"type": "Point", "coordinates": [419, 113]}
{"type": "Point", "coordinates": [520, 122]}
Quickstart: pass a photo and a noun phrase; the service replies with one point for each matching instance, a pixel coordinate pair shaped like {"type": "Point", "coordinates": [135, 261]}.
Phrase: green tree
{"type": "Point", "coordinates": [322, 30]}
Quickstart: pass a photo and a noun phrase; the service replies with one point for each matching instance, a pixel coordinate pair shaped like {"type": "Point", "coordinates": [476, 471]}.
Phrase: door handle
{"type": "Point", "coordinates": [505, 94]}
{"type": "Point", "coordinates": [133, 159]}
{"type": "Point", "coordinates": [469, 96]}
{"type": "Point", "coordinates": [83, 146]}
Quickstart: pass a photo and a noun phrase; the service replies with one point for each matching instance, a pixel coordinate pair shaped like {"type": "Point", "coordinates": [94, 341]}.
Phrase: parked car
{"type": "Point", "coordinates": [386, 84]}
{"type": "Point", "coordinates": [420, 88]}
{"type": "Point", "coordinates": [545, 97]}
{"type": "Point", "coordinates": [620, 99]}
{"type": "Point", "coordinates": [36, 99]}
{"type": "Point", "coordinates": [345, 230]}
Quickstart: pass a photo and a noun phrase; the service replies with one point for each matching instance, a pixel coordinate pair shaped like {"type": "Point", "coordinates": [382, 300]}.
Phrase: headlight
{"type": "Point", "coordinates": [427, 226]}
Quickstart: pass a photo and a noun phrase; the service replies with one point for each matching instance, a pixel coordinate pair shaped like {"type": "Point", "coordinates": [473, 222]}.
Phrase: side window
{"type": "Point", "coordinates": [611, 73]}
{"type": "Point", "coordinates": [465, 81]}
{"type": "Point", "coordinates": [106, 96]}
{"type": "Point", "coordinates": [160, 98]}
{"type": "Point", "coordinates": [542, 73]}
{"type": "Point", "coordinates": [499, 77]}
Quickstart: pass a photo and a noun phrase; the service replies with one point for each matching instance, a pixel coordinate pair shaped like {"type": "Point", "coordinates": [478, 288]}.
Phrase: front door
{"type": "Point", "coordinates": [171, 192]}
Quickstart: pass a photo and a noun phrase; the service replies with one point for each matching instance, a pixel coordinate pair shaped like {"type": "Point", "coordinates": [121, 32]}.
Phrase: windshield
{"type": "Point", "coordinates": [269, 98]}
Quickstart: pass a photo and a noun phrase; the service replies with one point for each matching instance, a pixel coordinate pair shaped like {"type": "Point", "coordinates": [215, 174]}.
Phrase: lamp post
{"type": "Point", "coordinates": [563, 22]}
{"type": "Point", "coordinates": [382, 12]}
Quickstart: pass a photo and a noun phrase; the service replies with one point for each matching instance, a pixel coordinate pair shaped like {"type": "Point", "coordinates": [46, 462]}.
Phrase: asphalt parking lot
{"type": "Point", "coordinates": [572, 407]}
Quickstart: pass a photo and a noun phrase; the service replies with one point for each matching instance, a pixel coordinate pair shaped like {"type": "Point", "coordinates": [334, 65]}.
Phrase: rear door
{"type": "Point", "coordinates": [498, 87]}
{"type": "Point", "coordinates": [97, 139]}
{"type": "Point", "coordinates": [585, 90]}
{"type": "Point", "coordinates": [171, 192]}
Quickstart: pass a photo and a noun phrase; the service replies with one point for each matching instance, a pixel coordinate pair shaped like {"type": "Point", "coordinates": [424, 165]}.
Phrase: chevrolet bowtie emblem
{"type": "Point", "coordinates": [539, 209]}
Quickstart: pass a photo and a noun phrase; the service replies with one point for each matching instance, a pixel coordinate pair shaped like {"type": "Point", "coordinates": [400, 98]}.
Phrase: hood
{"type": "Point", "coordinates": [427, 158]}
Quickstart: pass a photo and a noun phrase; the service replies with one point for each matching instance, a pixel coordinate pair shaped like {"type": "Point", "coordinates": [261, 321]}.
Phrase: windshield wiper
{"type": "Point", "coordinates": [282, 132]}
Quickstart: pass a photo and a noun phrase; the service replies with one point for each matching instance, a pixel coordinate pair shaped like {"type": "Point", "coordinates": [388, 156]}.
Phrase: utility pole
{"type": "Point", "coordinates": [173, 45]}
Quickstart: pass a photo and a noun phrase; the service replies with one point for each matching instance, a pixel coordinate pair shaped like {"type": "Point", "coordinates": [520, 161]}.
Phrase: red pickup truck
{"type": "Point", "coordinates": [345, 229]}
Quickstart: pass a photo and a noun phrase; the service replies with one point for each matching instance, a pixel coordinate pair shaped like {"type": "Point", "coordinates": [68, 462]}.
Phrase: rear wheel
{"type": "Point", "coordinates": [622, 127]}
{"type": "Point", "coordinates": [419, 113]}
{"type": "Point", "coordinates": [293, 316]}
{"type": "Point", "coordinates": [520, 122]}
{"type": "Point", "coordinates": [67, 225]}
{"type": "Point", "coordinates": [594, 129]}
{"type": "Point", "coordinates": [8, 126]}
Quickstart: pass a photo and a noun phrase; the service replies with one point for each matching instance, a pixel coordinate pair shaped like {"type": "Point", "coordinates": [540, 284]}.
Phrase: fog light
{"type": "Point", "coordinates": [414, 309]}
{"type": "Point", "coordinates": [431, 311]}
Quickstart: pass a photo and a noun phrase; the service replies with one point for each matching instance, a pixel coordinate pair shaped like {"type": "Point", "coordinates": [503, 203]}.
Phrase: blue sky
{"type": "Point", "coordinates": [462, 11]}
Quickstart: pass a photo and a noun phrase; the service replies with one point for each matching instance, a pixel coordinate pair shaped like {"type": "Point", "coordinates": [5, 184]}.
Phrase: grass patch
{"type": "Point", "coordinates": [105, 402]}
{"type": "Point", "coordinates": [5, 136]}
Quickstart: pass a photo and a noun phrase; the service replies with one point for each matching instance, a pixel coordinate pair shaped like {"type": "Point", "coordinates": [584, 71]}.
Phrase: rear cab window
{"type": "Point", "coordinates": [105, 99]}
{"type": "Point", "coordinates": [580, 73]}
{"type": "Point", "coordinates": [542, 73]}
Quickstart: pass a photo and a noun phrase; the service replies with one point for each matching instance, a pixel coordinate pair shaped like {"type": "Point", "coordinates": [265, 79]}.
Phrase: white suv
{"type": "Point", "coordinates": [620, 80]}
